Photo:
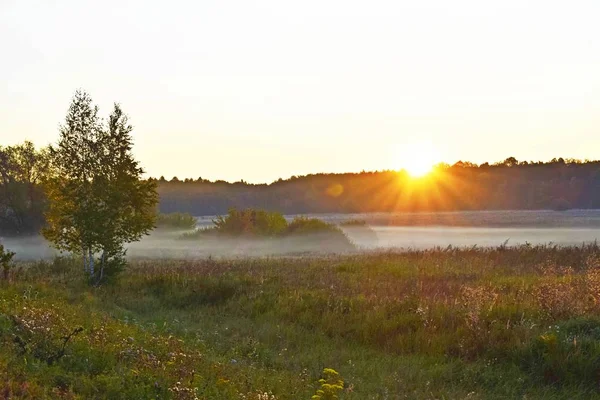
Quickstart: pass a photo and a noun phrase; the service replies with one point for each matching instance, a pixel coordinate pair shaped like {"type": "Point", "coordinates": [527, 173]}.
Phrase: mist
{"type": "Point", "coordinates": [167, 245]}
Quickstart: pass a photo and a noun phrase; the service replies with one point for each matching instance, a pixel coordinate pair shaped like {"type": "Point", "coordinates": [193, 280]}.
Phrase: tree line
{"type": "Point", "coordinates": [558, 184]}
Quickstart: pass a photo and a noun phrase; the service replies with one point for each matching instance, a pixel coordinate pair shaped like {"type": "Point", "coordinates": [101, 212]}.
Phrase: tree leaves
{"type": "Point", "coordinates": [22, 201]}
{"type": "Point", "coordinates": [98, 199]}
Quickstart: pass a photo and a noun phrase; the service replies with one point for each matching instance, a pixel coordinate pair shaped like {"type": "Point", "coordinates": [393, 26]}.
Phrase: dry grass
{"type": "Point", "coordinates": [445, 323]}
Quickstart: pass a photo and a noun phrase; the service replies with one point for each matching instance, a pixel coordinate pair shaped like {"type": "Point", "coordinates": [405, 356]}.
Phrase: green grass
{"type": "Point", "coordinates": [441, 324]}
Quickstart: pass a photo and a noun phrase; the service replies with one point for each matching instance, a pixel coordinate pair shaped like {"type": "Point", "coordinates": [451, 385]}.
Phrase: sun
{"type": "Point", "coordinates": [417, 159]}
{"type": "Point", "coordinates": [418, 169]}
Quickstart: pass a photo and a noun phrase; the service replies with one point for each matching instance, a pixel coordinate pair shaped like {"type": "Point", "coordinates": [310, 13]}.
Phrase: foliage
{"type": "Point", "coordinates": [511, 184]}
{"type": "Point", "coordinates": [256, 229]}
{"type": "Point", "coordinates": [113, 264]}
{"type": "Point", "coordinates": [303, 225]}
{"type": "Point", "coordinates": [6, 257]}
{"type": "Point", "coordinates": [251, 222]}
{"type": "Point", "coordinates": [320, 235]}
{"type": "Point", "coordinates": [175, 221]}
{"type": "Point", "coordinates": [98, 200]}
{"type": "Point", "coordinates": [508, 185]}
{"type": "Point", "coordinates": [22, 200]}
{"type": "Point", "coordinates": [263, 223]}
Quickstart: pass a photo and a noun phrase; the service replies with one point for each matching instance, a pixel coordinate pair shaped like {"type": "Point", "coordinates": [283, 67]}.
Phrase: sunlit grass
{"type": "Point", "coordinates": [485, 323]}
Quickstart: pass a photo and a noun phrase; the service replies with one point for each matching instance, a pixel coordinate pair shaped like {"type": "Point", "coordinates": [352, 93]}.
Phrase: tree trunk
{"type": "Point", "coordinates": [102, 263]}
{"type": "Point", "coordinates": [91, 255]}
{"type": "Point", "coordinates": [85, 264]}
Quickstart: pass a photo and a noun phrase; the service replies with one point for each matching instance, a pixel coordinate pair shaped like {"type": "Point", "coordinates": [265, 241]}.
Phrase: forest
{"type": "Point", "coordinates": [558, 184]}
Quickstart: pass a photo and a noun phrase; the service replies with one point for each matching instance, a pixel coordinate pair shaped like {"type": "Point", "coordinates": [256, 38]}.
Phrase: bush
{"type": "Point", "coordinates": [303, 225]}
{"type": "Point", "coordinates": [110, 267]}
{"type": "Point", "coordinates": [251, 222]}
{"type": "Point", "coordinates": [6, 261]}
{"type": "Point", "coordinates": [175, 221]}
{"type": "Point", "coordinates": [301, 235]}
{"type": "Point", "coordinates": [313, 234]}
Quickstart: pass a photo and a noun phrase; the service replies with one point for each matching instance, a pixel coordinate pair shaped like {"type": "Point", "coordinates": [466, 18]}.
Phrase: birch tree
{"type": "Point", "coordinates": [98, 200]}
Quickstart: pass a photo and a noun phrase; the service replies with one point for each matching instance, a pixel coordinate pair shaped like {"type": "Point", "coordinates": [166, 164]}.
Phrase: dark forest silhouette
{"type": "Point", "coordinates": [510, 185]}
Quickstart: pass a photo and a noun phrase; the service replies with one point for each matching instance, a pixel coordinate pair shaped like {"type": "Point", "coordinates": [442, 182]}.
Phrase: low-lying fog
{"type": "Point", "coordinates": [571, 228]}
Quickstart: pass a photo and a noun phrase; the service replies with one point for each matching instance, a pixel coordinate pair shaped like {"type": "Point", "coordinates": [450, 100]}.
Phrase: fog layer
{"type": "Point", "coordinates": [167, 245]}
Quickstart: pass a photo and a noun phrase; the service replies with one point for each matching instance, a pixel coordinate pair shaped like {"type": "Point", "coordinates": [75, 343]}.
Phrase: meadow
{"type": "Point", "coordinates": [477, 323]}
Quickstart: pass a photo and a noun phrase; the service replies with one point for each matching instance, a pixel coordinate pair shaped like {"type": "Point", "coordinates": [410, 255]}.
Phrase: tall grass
{"type": "Point", "coordinates": [507, 322]}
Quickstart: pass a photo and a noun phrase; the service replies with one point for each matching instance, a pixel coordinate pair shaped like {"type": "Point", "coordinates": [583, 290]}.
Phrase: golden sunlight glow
{"type": "Point", "coordinates": [417, 159]}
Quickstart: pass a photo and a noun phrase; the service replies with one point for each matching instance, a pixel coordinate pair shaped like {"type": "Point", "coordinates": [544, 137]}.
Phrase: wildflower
{"type": "Point", "coordinates": [331, 384]}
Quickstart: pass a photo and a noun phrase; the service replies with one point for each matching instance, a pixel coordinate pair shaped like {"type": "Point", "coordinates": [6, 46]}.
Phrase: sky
{"type": "Point", "coordinates": [259, 90]}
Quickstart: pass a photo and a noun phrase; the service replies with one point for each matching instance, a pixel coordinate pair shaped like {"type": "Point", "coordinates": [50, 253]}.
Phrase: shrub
{"type": "Point", "coordinates": [175, 220]}
{"type": "Point", "coordinates": [301, 235]}
{"type": "Point", "coordinates": [251, 222]}
{"type": "Point", "coordinates": [110, 267]}
{"type": "Point", "coordinates": [6, 257]}
{"type": "Point", "coordinates": [311, 234]}
{"type": "Point", "coordinates": [304, 225]}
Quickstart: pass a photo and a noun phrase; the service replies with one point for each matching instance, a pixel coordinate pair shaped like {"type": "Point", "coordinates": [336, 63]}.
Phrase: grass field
{"type": "Point", "coordinates": [441, 324]}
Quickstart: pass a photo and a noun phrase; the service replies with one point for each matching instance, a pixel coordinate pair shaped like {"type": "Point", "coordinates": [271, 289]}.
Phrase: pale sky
{"type": "Point", "coordinates": [258, 90]}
